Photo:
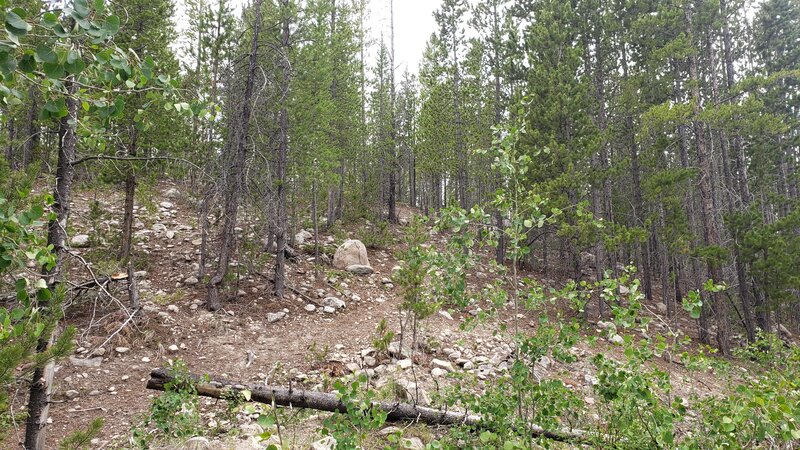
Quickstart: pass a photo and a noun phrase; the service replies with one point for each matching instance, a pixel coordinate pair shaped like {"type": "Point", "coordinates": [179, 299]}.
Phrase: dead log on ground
{"type": "Point", "coordinates": [329, 402]}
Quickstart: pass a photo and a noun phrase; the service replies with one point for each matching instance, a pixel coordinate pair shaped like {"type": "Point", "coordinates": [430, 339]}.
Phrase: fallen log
{"type": "Point", "coordinates": [330, 402]}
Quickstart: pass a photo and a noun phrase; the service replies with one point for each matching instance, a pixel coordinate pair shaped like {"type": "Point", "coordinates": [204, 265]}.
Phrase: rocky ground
{"type": "Point", "coordinates": [323, 329]}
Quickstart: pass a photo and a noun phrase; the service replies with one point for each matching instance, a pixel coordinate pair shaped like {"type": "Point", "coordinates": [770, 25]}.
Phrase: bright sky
{"type": "Point", "coordinates": [413, 25]}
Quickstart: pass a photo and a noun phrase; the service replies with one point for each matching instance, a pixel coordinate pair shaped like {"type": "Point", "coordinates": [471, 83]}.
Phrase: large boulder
{"type": "Point", "coordinates": [351, 253]}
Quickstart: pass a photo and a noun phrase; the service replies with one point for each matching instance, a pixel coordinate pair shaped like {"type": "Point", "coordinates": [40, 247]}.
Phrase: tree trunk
{"type": "Point", "coordinates": [235, 171]}
{"type": "Point", "coordinates": [42, 384]}
{"type": "Point", "coordinates": [710, 232]}
{"type": "Point", "coordinates": [330, 402]}
{"type": "Point", "coordinates": [130, 192]}
{"type": "Point", "coordinates": [32, 130]}
{"type": "Point", "coordinates": [283, 149]}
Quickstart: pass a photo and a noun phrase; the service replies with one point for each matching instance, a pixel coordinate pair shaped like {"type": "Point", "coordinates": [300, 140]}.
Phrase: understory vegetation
{"type": "Point", "coordinates": [608, 183]}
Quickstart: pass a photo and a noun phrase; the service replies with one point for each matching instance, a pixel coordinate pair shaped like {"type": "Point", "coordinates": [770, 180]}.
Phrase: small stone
{"type": "Point", "coordinates": [122, 350]}
{"type": "Point", "coordinates": [359, 269]}
{"type": "Point", "coordinates": [369, 361]}
{"type": "Point", "coordinates": [94, 393]}
{"type": "Point", "coordinates": [140, 274]}
{"type": "Point", "coordinates": [99, 352]}
{"type": "Point", "coordinates": [333, 302]}
{"type": "Point", "coordinates": [446, 315]}
{"type": "Point", "coordinates": [588, 400]}
{"type": "Point", "coordinates": [197, 443]}
{"type": "Point", "coordinates": [72, 394]}
{"type": "Point", "coordinates": [438, 372]}
{"type": "Point", "coordinates": [404, 363]}
{"type": "Point", "coordinates": [274, 317]}
{"type": "Point", "coordinates": [469, 365]}
{"type": "Point", "coordinates": [89, 362]}
{"type": "Point", "coordinates": [172, 308]}
{"type": "Point", "coordinates": [170, 234]}
{"type": "Point", "coordinates": [441, 364]}
{"type": "Point", "coordinates": [662, 308]}
{"type": "Point", "coordinates": [413, 443]}
{"type": "Point", "coordinates": [191, 281]}
{"type": "Point", "coordinates": [145, 359]}
{"type": "Point", "coordinates": [174, 348]}
{"type": "Point", "coordinates": [624, 290]}
{"type": "Point", "coordinates": [79, 241]}
{"type": "Point", "coordinates": [166, 205]}
{"type": "Point", "coordinates": [545, 362]}
{"type": "Point", "coordinates": [310, 308]}
{"type": "Point", "coordinates": [617, 340]}
{"type": "Point", "coordinates": [326, 443]}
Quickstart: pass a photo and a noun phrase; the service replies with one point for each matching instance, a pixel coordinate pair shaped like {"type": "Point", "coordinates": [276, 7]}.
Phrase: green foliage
{"type": "Point", "coordinates": [33, 314]}
{"type": "Point", "coordinates": [174, 414]}
{"type": "Point", "coordinates": [384, 337]}
{"type": "Point", "coordinates": [350, 429]}
{"type": "Point", "coordinates": [82, 439]}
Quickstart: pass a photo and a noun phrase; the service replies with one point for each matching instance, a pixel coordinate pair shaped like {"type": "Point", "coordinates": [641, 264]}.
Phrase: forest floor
{"type": "Point", "coordinates": [305, 348]}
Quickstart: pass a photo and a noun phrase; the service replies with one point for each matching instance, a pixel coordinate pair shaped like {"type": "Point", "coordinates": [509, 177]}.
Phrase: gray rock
{"type": "Point", "coordinates": [394, 350]}
{"type": "Point", "coordinates": [326, 443]}
{"type": "Point", "coordinates": [72, 394]}
{"type": "Point", "coordinates": [274, 317]}
{"type": "Point", "coordinates": [122, 350]}
{"type": "Point", "coordinates": [172, 193]}
{"type": "Point", "coordinates": [89, 362]}
{"type": "Point", "coordinates": [328, 310]}
{"type": "Point", "coordinates": [310, 308]}
{"type": "Point", "coordinates": [333, 302]}
{"type": "Point", "coordinates": [191, 281]}
{"type": "Point", "coordinates": [166, 205]}
{"type": "Point", "coordinates": [446, 315]}
{"type": "Point", "coordinates": [197, 443]}
{"type": "Point", "coordinates": [79, 241]}
{"type": "Point", "coordinates": [359, 269]}
{"type": "Point", "coordinates": [404, 363]}
{"type": "Point", "coordinates": [662, 308]}
{"type": "Point", "coordinates": [351, 252]}
{"type": "Point", "coordinates": [413, 443]}
{"type": "Point", "coordinates": [302, 237]}
{"type": "Point", "coordinates": [442, 364]}
{"type": "Point", "coordinates": [140, 274]}
{"type": "Point", "coordinates": [617, 340]}
{"type": "Point", "coordinates": [438, 372]}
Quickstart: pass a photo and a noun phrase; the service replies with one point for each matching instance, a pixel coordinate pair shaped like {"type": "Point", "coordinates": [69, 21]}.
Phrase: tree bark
{"type": "Point", "coordinates": [330, 402]}
{"type": "Point", "coordinates": [42, 384]}
{"type": "Point", "coordinates": [235, 171]}
{"type": "Point", "coordinates": [710, 232]}
{"type": "Point", "coordinates": [283, 149]}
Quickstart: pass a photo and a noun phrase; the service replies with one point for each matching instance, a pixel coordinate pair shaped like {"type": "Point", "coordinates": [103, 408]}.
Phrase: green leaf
{"type": "Point", "coordinates": [53, 70]}
{"type": "Point", "coordinates": [112, 25]}
{"type": "Point", "coordinates": [7, 64]}
{"type": "Point", "coordinates": [49, 20]}
{"type": "Point", "coordinates": [28, 63]}
{"type": "Point", "coordinates": [45, 54]}
{"type": "Point", "coordinates": [81, 7]}
{"type": "Point", "coordinates": [247, 394]}
{"type": "Point", "coordinates": [75, 67]}
{"type": "Point", "coordinates": [16, 25]}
